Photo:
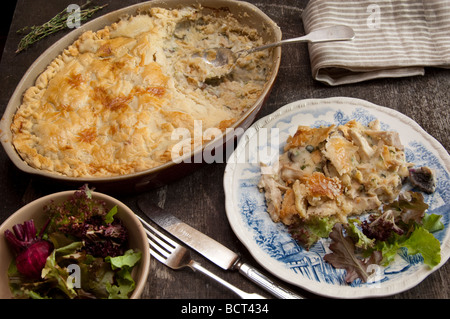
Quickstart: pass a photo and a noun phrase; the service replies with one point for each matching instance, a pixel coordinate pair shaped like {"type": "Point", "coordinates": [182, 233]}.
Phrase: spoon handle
{"type": "Point", "coordinates": [332, 33]}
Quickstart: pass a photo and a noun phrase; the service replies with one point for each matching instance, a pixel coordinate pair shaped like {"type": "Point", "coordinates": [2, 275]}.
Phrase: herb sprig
{"type": "Point", "coordinates": [57, 23]}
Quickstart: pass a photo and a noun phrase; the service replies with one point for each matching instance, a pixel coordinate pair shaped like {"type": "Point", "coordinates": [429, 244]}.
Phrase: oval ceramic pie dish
{"type": "Point", "coordinates": [117, 159]}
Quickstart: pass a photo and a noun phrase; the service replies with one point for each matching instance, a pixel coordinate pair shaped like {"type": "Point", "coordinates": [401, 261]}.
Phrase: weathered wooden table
{"type": "Point", "coordinates": [198, 199]}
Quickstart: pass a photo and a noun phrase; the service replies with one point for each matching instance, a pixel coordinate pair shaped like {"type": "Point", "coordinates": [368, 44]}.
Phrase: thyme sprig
{"type": "Point", "coordinates": [57, 23]}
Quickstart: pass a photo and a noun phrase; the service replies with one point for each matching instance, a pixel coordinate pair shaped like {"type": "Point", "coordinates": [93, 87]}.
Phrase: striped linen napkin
{"type": "Point", "coordinates": [392, 38]}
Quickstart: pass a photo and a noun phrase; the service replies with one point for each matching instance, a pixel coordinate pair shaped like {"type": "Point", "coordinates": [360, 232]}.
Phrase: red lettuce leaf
{"type": "Point", "coordinates": [343, 256]}
{"type": "Point", "coordinates": [397, 217]}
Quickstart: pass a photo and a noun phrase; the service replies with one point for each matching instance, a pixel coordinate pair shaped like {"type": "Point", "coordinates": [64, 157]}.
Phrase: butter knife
{"type": "Point", "coordinates": [211, 249]}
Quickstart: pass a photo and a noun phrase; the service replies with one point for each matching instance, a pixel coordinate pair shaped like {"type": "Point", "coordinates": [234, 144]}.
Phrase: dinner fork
{"type": "Point", "coordinates": [176, 256]}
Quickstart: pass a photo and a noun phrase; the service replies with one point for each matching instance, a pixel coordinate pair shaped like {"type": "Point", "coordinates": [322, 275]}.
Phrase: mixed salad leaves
{"type": "Point", "coordinates": [81, 252]}
{"type": "Point", "coordinates": [375, 240]}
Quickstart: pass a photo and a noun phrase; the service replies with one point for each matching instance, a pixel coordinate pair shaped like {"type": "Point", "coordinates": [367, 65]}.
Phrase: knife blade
{"type": "Point", "coordinates": [211, 249]}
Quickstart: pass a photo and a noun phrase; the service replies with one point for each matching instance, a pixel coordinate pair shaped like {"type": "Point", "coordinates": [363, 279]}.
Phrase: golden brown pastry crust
{"type": "Point", "coordinates": [109, 103]}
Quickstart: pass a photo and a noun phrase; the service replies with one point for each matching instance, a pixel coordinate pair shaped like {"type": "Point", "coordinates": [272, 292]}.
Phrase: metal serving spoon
{"type": "Point", "coordinates": [226, 59]}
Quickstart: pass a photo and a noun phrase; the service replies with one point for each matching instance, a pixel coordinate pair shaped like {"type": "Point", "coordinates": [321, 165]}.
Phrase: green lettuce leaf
{"type": "Point", "coordinates": [96, 275]}
{"type": "Point", "coordinates": [420, 241]}
{"type": "Point", "coordinates": [388, 250]}
{"type": "Point", "coordinates": [360, 240]}
{"type": "Point", "coordinates": [123, 279]}
{"type": "Point", "coordinates": [109, 218]}
{"type": "Point", "coordinates": [125, 285]}
{"type": "Point", "coordinates": [129, 259]}
{"type": "Point", "coordinates": [423, 242]}
{"type": "Point", "coordinates": [432, 222]}
{"type": "Point", "coordinates": [53, 272]}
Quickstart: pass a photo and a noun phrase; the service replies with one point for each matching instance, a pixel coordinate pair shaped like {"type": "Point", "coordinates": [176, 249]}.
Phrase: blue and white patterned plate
{"type": "Point", "coordinates": [270, 243]}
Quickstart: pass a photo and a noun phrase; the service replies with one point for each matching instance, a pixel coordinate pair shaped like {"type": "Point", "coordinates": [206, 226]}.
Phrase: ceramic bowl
{"type": "Point", "coordinates": [34, 210]}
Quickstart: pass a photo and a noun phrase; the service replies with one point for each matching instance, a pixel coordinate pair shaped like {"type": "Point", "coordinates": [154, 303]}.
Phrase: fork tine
{"type": "Point", "coordinates": [154, 230]}
{"type": "Point", "coordinates": [159, 250]}
{"type": "Point", "coordinates": [164, 246]}
{"type": "Point", "coordinates": [160, 242]}
{"type": "Point", "coordinates": [159, 257]}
